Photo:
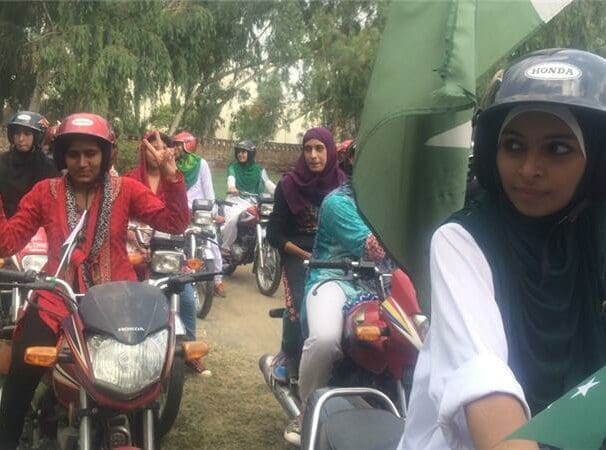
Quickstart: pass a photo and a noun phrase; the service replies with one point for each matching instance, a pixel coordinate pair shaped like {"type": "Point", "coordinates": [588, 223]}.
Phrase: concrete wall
{"type": "Point", "coordinates": [272, 156]}
{"type": "Point", "coordinates": [218, 152]}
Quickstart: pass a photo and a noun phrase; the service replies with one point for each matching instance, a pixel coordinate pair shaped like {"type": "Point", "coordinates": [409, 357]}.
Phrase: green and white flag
{"type": "Point", "coordinates": [577, 421]}
{"type": "Point", "coordinates": [414, 139]}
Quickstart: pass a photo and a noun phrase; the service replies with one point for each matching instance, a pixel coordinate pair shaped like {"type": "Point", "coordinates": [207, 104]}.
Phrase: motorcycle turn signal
{"type": "Point", "coordinates": [194, 350]}
{"type": "Point", "coordinates": [41, 356]}
{"type": "Point", "coordinates": [194, 264]}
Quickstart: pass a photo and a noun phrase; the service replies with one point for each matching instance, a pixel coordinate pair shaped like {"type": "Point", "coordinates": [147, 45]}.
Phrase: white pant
{"type": "Point", "coordinates": [323, 346]}
{"type": "Point", "coordinates": [218, 260]}
{"type": "Point", "coordinates": [229, 231]}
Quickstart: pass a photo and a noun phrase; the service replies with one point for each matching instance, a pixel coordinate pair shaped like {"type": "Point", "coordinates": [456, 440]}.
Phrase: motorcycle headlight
{"type": "Point", "coordinates": [33, 262]}
{"type": "Point", "coordinates": [266, 209]}
{"type": "Point", "coordinates": [127, 369]}
{"type": "Point", "coordinates": [166, 261]}
{"type": "Point", "coordinates": [202, 217]}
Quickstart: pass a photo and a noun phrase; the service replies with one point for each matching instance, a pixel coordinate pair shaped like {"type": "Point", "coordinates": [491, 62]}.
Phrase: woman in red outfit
{"type": "Point", "coordinates": [82, 146]}
{"type": "Point", "coordinates": [148, 173]}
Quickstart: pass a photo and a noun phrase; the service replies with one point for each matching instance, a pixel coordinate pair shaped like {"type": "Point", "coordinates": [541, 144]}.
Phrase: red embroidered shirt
{"type": "Point", "coordinates": [45, 206]}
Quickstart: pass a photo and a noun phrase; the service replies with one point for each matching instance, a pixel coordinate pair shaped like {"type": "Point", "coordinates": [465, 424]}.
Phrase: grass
{"type": "Point", "coordinates": [231, 410]}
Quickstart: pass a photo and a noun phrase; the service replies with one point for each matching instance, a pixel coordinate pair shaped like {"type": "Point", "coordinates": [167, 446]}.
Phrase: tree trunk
{"type": "Point", "coordinates": [186, 104]}
{"type": "Point", "coordinates": [35, 100]}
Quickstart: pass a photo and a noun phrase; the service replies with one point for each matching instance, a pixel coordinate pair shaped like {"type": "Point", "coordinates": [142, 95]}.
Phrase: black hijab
{"type": "Point", "coordinates": [19, 171]}
{"type": "Point", "coordinates": [548, 276]}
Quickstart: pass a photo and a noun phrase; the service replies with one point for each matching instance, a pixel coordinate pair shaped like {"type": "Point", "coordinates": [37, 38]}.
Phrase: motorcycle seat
{"type": "Point", "coordinates": [361, 429]}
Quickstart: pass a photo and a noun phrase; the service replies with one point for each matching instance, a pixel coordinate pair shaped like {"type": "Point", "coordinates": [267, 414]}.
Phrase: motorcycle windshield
{"type": "Point", "coordinates": [126, 310]}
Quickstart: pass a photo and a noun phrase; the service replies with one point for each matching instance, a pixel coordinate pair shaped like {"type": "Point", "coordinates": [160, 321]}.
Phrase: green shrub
{"type": "Point", "coordinates": [128, 155]}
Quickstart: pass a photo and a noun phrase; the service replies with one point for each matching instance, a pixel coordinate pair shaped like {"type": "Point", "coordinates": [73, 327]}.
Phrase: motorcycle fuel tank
{"type": "Point", "coordinates": [129, 311]}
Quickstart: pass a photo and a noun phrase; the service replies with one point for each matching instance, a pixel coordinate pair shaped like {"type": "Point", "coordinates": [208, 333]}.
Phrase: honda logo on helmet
{"type": "Point", "coordinates": [553, 71]}
{"type": "Point", "coordinates": [26, 117]}
{"type": "Point", "coordinates": [82, 122]}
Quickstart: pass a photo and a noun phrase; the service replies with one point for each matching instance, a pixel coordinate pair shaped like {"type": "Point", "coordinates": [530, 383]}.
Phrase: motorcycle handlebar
{"type": "Point", "coordinates": [187, 278]}
{"type": "Point", "coordinates": [342, 264]}
{"type": "Point", "coordinates": [17, 277]}
{"type": "Point", "coordinates": [139, 235]}
{"type": "Point", "coordinates": [34, 285]}
{"type": "Point", "coordinates": [224, 202]}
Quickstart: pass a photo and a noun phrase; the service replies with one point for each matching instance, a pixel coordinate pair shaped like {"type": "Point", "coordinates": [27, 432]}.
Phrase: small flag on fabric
{"type": "Point", "coordinates": [414, 138]}
{"type": "Point", "coordinates": [576, 421]}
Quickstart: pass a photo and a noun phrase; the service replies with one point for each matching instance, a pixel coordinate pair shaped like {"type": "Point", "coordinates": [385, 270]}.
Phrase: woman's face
{"type": "Point", "coordinates": [315, 154]}
{"type": "Point", "coordinates": [540, 163]}
{"type": "Point", "coordinates": [158, 145]}
{"type": "Point", "coordinates": [83, 160]}
{"type": "Point", "coordinates": [179, 150]}
{"type": "Point", "coordinates": [242, 156]}
{"type": "Point", "coordinates": [23, 139]}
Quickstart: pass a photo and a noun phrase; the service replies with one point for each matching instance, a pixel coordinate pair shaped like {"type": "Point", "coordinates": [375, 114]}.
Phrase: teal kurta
{"type": "Point", "coordinates": [341, 234]}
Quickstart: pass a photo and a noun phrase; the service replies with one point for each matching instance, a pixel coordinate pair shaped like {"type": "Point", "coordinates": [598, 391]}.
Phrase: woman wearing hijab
{"type": "Point", "coordinates": [245, 178]}
{"type": "Point", "coordinates": [292, 229]}
{"type": "Point", "coordinates": [148, 173]}
{"type": "Point", "coordinates": [88, 194]}
{"type": "Point", "coordinates": [341, 234]}
{"type": "Point", "coordinates": [199, 182]}
{"type": "Point", "coordinates": [517, 277]}
{"type": "Point", "coordinates": [24, 164]}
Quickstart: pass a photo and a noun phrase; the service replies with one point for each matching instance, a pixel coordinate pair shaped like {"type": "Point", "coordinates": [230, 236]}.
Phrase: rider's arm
{"type": "Point", "coordinates": [196, 191]}
{"type": "Point", "coordinates": [494, 417]}
{"type": "Point", "coordinates": [231, 181]}
{"type": "Point", "coordinates": [171, 215]}
{"type": "Point", "coordinates": [205, 181]}
{"type": "Point", "coordinates": [278, 226]}
{"type": "Point", "coordinates": [17, 231]}
{"type": "Point", "coordinates": [270, 186]}
{"type": "Point", "coordinates": [465, 357]}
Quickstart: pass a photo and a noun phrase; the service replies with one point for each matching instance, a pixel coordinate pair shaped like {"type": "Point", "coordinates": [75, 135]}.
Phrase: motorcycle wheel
{"type": "Point", "coordinates": [205, 293]}
{"type": "Point", "coordinates": [269, 274]}
{"type": "Point", "coordinates": [170, 398]}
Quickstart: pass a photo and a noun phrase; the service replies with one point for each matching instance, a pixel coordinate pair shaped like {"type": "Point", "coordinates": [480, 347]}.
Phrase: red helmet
{"type": "Point", "coordinates": [189, 141]}
{"type": "Point", "coordinates": [341, 148]}
{"type": "Point", "coordinates": [51, 133]}
{"type": "Point", "coordinates": [83, 124]}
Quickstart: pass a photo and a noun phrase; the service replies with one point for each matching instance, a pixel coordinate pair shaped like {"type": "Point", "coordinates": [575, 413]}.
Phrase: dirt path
{"type": "Point", "coordinates": [233, 409]}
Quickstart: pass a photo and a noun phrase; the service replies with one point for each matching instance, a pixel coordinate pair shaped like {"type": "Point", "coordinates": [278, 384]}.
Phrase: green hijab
{"type": "Point", "coordinates": [248, 176]}
{"type": "Point", "coordinates": [189, 165]}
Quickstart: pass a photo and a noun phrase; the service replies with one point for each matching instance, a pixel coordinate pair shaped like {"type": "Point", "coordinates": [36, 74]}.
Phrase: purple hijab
{"type": "Point", "coordinates": [301, 186]}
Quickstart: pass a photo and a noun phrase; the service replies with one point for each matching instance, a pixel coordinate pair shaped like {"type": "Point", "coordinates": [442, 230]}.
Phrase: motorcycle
{"type": "Point", "coordinates": [32, 257]}
{"type": "Point", "coordinates": [380, 341]}
{"type": "Point", "coordinates": [251, 245]}
{"type": "Point", "coordinates": [200, 237]}
{"type": "Point", "coordinates": [112, 373]}
{"type": "Point", "coordinates": [167, 254]}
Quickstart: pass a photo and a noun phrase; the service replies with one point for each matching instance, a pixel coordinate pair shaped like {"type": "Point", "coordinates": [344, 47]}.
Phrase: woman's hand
{"type": "Point", "coordinates": [293, 249]}
{"type": "Point", "coordinates": [164, 156]}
